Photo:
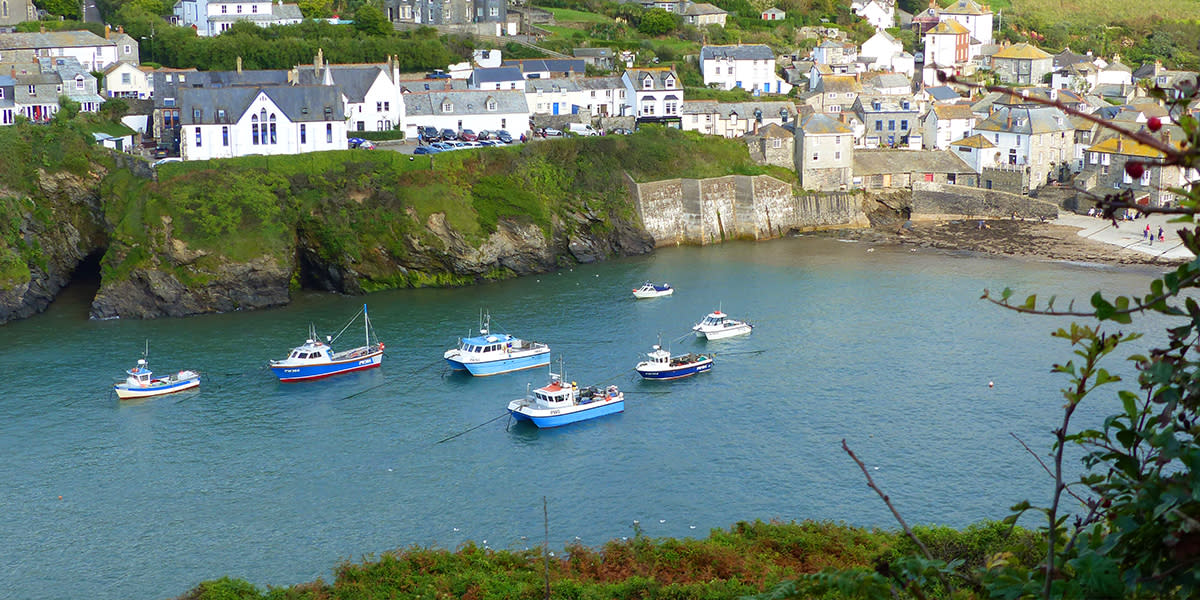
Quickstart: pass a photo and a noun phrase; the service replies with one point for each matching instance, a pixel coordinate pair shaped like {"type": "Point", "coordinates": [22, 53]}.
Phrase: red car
{"type": "Point", "coordinates": [467, 135]}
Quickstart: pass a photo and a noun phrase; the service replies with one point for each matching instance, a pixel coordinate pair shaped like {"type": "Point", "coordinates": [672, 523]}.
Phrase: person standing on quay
{"type": "Point", "coordinates": [1160, 234]}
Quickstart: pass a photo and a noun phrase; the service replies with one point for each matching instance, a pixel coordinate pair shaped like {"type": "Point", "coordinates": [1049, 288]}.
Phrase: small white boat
{"type": "Point", "coordinates": [560, 403]}
{"type": "Point", "coordinates": [653, 290]}
{"type": "Point", "coordinates": [662, 366]}
{"type": "Point", "coordinates": [717, 325]}
{"type": "Point", "coordinates": [141, 382]}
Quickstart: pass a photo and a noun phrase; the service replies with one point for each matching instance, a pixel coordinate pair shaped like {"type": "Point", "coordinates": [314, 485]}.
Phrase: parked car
{"type": "Point", "coordinates": [437, 74]}
{"type": "Point", "coordinates": [163, 161]}
{"type": "Point", "coordinates": [426, 150]}
{"type": "Point", "coordinates": [449, 135]}
{"type": "Point", "coordinates": [357, 142]}
{"type": "Point", "coordinates": [441, 146]}
{"type": "Point", "coordinates": [582, 129]}
{"type": "Point", "coordinates": [552, 132]}
{"type": "Point", "coordinates": [487, 135]}
{"type": "Point", "coordinates": [504, 136]}
{"type": "Point", "coordinates": [429, 134]}
{"type": "Point", "coordinates": [161, 152]}
{"type": "Point", "coordinates": [467, 135]}
{"type": "Point", "coordinates": [620, 131]}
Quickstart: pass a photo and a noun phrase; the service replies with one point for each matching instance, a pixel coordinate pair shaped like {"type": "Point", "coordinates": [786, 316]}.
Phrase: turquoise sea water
{"type": "Point", "coordinates": [891, 350]}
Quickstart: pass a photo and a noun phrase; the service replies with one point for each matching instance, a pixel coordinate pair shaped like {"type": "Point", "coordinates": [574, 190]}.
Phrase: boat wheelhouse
{"type": "Point", "coordinates": [140, 382]}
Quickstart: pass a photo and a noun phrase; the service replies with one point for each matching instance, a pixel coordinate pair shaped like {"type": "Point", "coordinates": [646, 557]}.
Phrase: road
{"type": "Point", "coordinates": [91, 14]}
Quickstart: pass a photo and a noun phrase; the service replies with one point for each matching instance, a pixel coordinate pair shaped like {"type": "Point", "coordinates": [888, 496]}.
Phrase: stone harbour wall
{"type": "Point", "coordinates": [707, 211]}
{"type": "Point", "coordinates": [939, 201]}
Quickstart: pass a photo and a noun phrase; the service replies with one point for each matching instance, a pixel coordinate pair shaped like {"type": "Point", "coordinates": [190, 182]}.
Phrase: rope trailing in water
{"type": "Point", "coordinates": [506, 413]}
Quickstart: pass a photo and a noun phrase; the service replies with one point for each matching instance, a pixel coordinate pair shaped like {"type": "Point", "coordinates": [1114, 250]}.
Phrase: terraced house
{"type": "Point", "coordinates": [1035, 143]}
{"type": "Point", "coordinates": [751, 68]}
{"type": "Point", "coordinates": [1022, 64]}
{"type": "Point", "coordinates": [653, 95]}
{"type": "Point", "coordinates": [1104, 169]}
{"type": "Point", "coordinates": [824, 153]}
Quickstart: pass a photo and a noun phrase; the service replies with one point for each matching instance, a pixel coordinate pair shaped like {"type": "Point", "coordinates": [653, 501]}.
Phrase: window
{"type": "Point", "coordinates": [503, 123]}
{"type": "Point", "coordinates": [495, 11]}
{"type": "Point", "coordinates": [329, 133]}
{"type": "Point", "coordinates": [1127, 178]}
{"type": "Point", "coordinates": [224, 10]}
{"type": "Point", "coordinates": [387, 106]}
{"type": "Point", "coordinates": [239, 9]}
{"type": "Point", "coordinates": [903, 124]}
{"type": "Point", "coordinates": [814, 157]}
{"type": "Point", "coordinates": [891, 125]}
{"type": "Point", "coordinates": [253, 8]}
{"type": "Point", "coordinates": [669, 108]}
{"type": "Point", "coordinates": [198, 140]}
{"type": "Point", "coordinates": [254, 129]}
{"type": "Point", "coordinates": [776, 143]}
{"type": "Point", "coordinates": [718, 72]}
{"type": "Point", "coordinates": [225, 135]}
{"type": "Point", "coordinates": [221, 114]}
{"type": "Point", "coordinates": [32, 90]}
{"type": "Point", "coordinates": [196, 115]}
{"type": "Point", "coordinates": [273, 138]}
{"type": "Point", "coordinates": [832, 95]}
{"type": "Point", "coordinates": [378, 107]}
{"type": "Point", "coordinates": [1145, 178]}
{"type": "Point", "coordinates": [648, 83]}
{"type": "Point", "coordinates": [491, 104]}
{"type": "Point", "coordinates": [648, 108]}
{"type": "Point", "coordinates": [878, 125]}
{"type": "Point", "coordinates": [1106, 159]}
{"type": "Point", "coordinates": [126, 79]}
{"type": "Point", "coordinates": [837, 156]}
{"type": "Point", "coordinates": [128, 49]}
{"type": "Point", "coordinates": [303, 134]}
{"type": "Point", "coordinates": [1093, 158]}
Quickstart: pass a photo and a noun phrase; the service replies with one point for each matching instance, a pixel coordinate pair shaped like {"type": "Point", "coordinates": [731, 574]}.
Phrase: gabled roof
{"type": "Point", "coordinates": [738, 52]}
{"type": "Point", "coordinates": [549, 65]}
{"type": "Point", "coordinates": [464, 102]}
{"type": "Point", "coordinates": [552, 86]}
{"type": "Point", "coordinates": [355, 82]}
{"type": "Point", "coordinates": [974, 141]}
{"type": "Point", "coordinates": [1022, 51]}
{"type": "Point", "coordinates": [1067, 57]}
{"type": "Point", "coordinates": [1026, 120]}
{"type": "Point", "coordinates": [953, 111]}
{"type": "Point", "coordinates": [773, 130]}
{"type": "Point", "coordinates": [696, 9]}
{"type": "Point", "coordinates": [950, 27]}
{"type": "Point", "coordinates": [886, 80]}
{"type": "Point", "coordinates": [839, 83]}
{"type": "Point", "coordinates": [600, 83]}
{"type": "Point", "coordinates": [1127, 147]}
{"type": "Point", "coordinates": [942, 93]}
{"type": "Point", "coordinates": [658, 74]}
{"type": "Point", "coordinates": [966, 7]}
{"type": "Point", "coordinates": [773, 11]}
{"type": "Point", "coordinates": [51, 39]}
{"type": "Point", "coordinates": [821, 124]}
{"type": "Point", "coordinates": [883, 162]}
{"type": "Point", "coordinates": [886, 104]}
{"type": "Point", "coordinates": [300, 103]}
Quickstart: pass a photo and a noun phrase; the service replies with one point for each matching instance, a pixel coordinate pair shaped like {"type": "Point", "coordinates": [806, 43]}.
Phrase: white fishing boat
{"type": "Point", "coordinates": [141, 382]}
{"type": "Point", "coordinates": [561, 403]}
{"type": "Point", "coordinates": [717, 325]}
{"type": "Point", "coordinates": [495, 353]}
{"type": "Point", "coordinates": [653, 290]}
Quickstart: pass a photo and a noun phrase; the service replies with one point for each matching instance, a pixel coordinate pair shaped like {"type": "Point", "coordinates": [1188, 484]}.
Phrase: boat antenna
{"type": "Point", "coordinates": [366, 326]}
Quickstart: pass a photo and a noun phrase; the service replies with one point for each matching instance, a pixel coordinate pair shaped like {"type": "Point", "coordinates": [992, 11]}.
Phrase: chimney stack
{"type": "Point", "coordinates": [239, 65]}
{"type": "Point", "coordinates": [1120, 143]}
{"type": "Point", "coordinates": [107, 31]}
{"type": "Point", "coordinates": [319, 62]}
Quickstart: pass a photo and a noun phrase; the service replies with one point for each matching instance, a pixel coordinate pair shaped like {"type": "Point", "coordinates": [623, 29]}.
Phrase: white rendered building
{"type": "Point", "coordinates": [243, 121]}
{"type": "Point", "coordinates": [212, 17]}
{"type": "Point", "coordinates": [751, 68]}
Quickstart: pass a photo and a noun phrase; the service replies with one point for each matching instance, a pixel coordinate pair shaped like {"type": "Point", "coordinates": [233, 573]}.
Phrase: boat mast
{"type": "Point", "coordinates": [366, 326]}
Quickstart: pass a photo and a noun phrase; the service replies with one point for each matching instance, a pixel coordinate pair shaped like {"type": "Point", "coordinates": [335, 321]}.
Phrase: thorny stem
{"type": "Point", "coordinates": [895, 513]}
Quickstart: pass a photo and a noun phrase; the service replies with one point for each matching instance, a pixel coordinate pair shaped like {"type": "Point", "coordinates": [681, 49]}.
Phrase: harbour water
{"type": "Point", "coordinates": [890, 349]}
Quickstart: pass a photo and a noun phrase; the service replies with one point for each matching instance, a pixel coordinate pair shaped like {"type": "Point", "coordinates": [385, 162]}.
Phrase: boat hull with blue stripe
{"type": "Point", "coordinates": [495, 353]}
{"type": "Point", "coordinates": [141, 383]}
{"type": "Point", "coordinates": [316, 359]}
{"type": "Point", "coordinates": [667, 367]}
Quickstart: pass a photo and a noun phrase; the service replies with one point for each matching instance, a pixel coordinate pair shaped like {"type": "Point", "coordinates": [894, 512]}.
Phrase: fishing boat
{"type": "Point", "coordinates": [316, 359]}
{"type": "Point", "coordinates": [140, 382]}
{"type": "Point", "coordinates": [653, 290]}
{"type": "Point", "coordinates": [560, 403]}
{"type": "Point", "coordinates": [717, 325]}
{"type": "Point", "coordinates": [662, 366]}
{"type": "Point", "coordinates": [495, 353]}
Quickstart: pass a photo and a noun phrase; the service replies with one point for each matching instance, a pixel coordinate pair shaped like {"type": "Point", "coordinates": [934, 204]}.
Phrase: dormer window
{"type": "Point", "coordinates": [221, 113]}
{"type": "Point", "coordinates": [669, 83]}
{"type": "Point", "coordinates": [447, 106]}
{"type": "Point", "coordinates": [491, 104]}
{"type": "Point", "coordinates": [876, 105]}
{"type": "Point", "coordinates": [196, 115]}
{"type": "Point", "coordinates": [79, 82]}
{"type": "Point", "coordinates": [647, 83]}
{"type": "Point", "coordinates": [904, 104]}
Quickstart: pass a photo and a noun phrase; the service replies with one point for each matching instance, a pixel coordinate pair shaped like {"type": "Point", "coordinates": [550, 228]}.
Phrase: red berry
{"type": "Point", "coordinates": [1154, 124]}
{"type": "Point", "coordinates": [1135, 169]}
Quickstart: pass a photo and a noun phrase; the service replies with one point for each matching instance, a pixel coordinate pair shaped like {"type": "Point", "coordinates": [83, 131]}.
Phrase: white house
{"type": "Point", "coordinates": [653, 94]}
{"type": "Point", "coordinates": [602, 96]}
{"type": "Point", "coordinates": [946, 123]}
{"type": "Point", "coordinates": [496, 78]}
{"type": "Point", "coordinates": [975, 150]}
{"type": "Point", "coordinates": [123, 80]}
{"type": "Point", "coordinates": [212, 17]}
{"type": "Point", "coordinates": [879, 13]}
{"type": "Point", "coordinates": [972, 15]}
{"type": "Point", "coordinates": [751, 68]}
{"type": "Point", "coordinates": [467, 109]}
{"type": "Point", "coordinates": [8, 104]}
{"type": "Point", "coordinates": [242, 121]}
{"type": "Point", "coordinates": [1041, 139]}
{"type": "Point", "coordinates": [371, 97]}
{"type": "Point", "coordinates": [735, 119]}
{"type": "Point", "coordinates": [883, 48]}
{"type": "Point", "coordinates": [92, 51]}
{"type": "Point", "coordinates": [1115, 73]}
{"type": "Point", "coordinates": [832, 52]}
{"type": "Point", "coordinates": [553, 96]}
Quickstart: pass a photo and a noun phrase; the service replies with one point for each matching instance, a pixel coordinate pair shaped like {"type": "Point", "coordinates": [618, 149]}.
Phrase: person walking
{"type": "Point", "coordinates": [1146, 232]}
{"type": "Point", "coordinates": [1160, 234]}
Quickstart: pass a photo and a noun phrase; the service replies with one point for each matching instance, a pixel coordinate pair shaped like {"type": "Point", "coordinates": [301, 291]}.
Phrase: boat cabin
{"type": "Point", "coordinates": [139, 375]}
{"type": "Point", "coordinates": [311, 350]}
{"type": "Point", "coordinates": [480, 345]}
{"type": "Point", "coordinates": [716, 319]}
{"type": "Point", "coordinates": [555, 395]}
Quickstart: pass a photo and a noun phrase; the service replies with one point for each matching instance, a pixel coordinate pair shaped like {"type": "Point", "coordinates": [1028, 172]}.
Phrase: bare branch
{"type": "Point", "coordinates": [1045, 467]}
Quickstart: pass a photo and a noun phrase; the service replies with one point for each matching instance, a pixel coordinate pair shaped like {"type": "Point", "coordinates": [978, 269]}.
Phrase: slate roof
{"type": "Point", "coordinates": [752, 52]}
{"type": "Point", "coordinates": [464, 102]}
{"type": "Point", "coordinates": [550, 65]}
{"type": "Point", "coordinates": [497, 74]}
{"type": "Point", "coordinates": [821, 124]}
{"type": "Point", "coordinates": [1026, 120]}
{"type": "Point", "coordinates": [279, 12]}
{"type": "Point", "coordinates": [300, 103]}
{"type": "Point", "coordinates": [744, 110]}
{"type": "Point", "coordinates": [942, 93]}
{"type": "Point", "coordinates": [658, 74]}
{"type": "Point", "coordinates": [1022, 51]}
{"type": "Point", "coordinates": [772, 130]}
{"type": "Point", "coordinates": [887, 104]}
{"type": "Point", "coordinates": [600, 83]}
{"type": "Point", "coordinates": [51, 39]}
{"type": "Point", "coordinates": [552, 86]}
{"type": "Point", "coordinates": [355, 82]}
{"type": "Point", "coordinates": [1127, 147]}
{"type": "Point", "coordinates": [887, 80]}
{"type": "Point", "coordinates": [592, 52]}
{"type": "Point", "coordinates": [1067, 58]}
{"type": "Point", "coordinates": [883, 162]}
{"type": "Point", "coordinates": [839, 83]}
{"type": "Point", "coordinates": [696, 9]}
{"type": "Point", "coordinates": [1116, 65]}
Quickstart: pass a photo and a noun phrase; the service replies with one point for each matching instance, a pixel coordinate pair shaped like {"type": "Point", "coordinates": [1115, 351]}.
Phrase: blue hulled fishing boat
{"type": "Point", "coordinates": [316, 359]}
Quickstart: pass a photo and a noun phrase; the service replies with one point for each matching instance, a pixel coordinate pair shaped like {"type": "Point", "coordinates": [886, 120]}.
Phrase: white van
{"type": "Point", "coordinates": [582, 129]}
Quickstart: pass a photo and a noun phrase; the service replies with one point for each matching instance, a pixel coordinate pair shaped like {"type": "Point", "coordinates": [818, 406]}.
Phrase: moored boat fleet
{"type": "Point", "coordinates": [489, 353]}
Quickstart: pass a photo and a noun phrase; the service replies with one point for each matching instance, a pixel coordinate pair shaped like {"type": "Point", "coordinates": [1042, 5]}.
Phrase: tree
{"type": "Point", "coordinates": [370, 20]}
{"type": "Point", "coordinates": [656, 21]}
{"type": "Point", "coordinates": [114, 108]}
{"type": "Point", "coordinates": [69, 9]}
{"type": "Point", "coordinates": [67, 109]}
{"type": "Point", "coordinates": [1129, 527]}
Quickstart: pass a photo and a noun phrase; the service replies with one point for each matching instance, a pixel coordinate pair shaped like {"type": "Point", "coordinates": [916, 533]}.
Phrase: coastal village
{"type": "Point", "coordinates": [841, 116]}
